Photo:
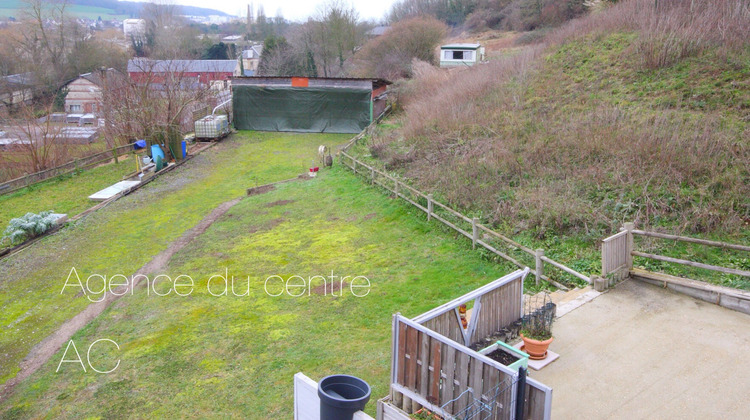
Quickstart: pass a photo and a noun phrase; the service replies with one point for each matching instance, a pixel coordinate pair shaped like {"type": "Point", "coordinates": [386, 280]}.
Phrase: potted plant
{"type": "Point", "coordinates": [425, 414]}
{"type": "Point", "coordinates": [536, 331]}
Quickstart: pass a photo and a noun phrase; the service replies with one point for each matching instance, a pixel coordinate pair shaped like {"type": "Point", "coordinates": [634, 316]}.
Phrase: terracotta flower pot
{"type": "Point", "coordinates": [536, 349]}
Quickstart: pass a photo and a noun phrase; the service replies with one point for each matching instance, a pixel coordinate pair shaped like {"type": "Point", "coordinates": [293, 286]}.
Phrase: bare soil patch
{"type": "Point", "coordinates": [330, 288]}
{"type": "Point", "coordinates": [279, 203]}
{"type": "Point", "coordinates": [503, 357]}
{"type": "Point", "coordinates": [261, 190]}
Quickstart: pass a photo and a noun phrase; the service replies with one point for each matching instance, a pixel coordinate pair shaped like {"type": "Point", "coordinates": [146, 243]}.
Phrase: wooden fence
{"type": "Point", "coordinates": [496, 305]}
{"type": "Point", "coordinates": [433, 367]}
{"type": "Point", "coordinates": [725, 270]}
{"type": "Point", "coordinates": [67, 168]}
{"type": "Point", "coordinates": [617, 263]}
{"type": "Point", "coordinates": [473, 228]}
{"type": "Point", "coordinates": [444, 376]}
{"type": "Point", "coordinates": [618, 251]}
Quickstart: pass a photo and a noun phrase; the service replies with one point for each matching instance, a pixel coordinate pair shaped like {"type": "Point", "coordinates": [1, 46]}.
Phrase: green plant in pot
{"type": "Point", "coordinates": [536, 331]}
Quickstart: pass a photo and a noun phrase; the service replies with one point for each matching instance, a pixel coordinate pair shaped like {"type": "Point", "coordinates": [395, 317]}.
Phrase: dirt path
{"type": "Point", "coordinates": [47, 348]}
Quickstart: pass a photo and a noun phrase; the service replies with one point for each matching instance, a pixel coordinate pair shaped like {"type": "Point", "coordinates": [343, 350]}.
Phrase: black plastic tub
{"type": "Point", "coordinates": [341, 396]}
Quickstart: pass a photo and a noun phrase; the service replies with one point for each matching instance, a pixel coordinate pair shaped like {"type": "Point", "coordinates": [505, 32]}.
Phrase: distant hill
{"type": "Point", "coordinates": [106, 9]}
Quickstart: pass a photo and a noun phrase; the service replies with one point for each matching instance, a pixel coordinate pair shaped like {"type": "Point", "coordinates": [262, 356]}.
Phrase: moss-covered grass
{"type": "Point", "coordinates": [63, 194]}
{"type": "Point", "coordinates": [128, 233]}
{"type": "Point", "coordinates": [235, 356]}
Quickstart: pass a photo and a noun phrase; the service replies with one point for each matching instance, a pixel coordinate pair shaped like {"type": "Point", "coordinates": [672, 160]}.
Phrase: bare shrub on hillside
{"type": "Point", "coordinates": [485, 140]}
{"type": "Point", "coordinates": [449, 101]}
{"type": "Point", "coordinates": [668, 30]}
{"type": "Point", "coordinates": [390, 55]}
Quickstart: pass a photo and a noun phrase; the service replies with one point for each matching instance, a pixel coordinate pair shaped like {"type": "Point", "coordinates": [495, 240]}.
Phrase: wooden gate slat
{"type": "Point", "coordinates": [449, 370]}
{"type": "Point", "coordinates": [435, 357]}
{"type": "Point", "coordinates": [401, 354]}
{"type": "Point", "coordinates": [411, 364]}
{"type": "Point", "coordinates": [424, 358]}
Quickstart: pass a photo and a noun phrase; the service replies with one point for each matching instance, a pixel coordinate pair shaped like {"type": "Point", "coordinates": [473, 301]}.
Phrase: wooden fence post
{"type": "Point", "coordinates": [354, 165]}
{"type": "Point", "coordinates": [474, 233]}
{"type": "Point", "coordinates": [372, 176]}
{"type": "Point", "coordinates": [539, 271]}
{"type": "Point", "coordinates": [114, 152]}
{"type": "Point", "coordinates": [600, 283]}
{"type": "Point", "coordinates": [429, 207]}
{"type": "Point", "coordinates": [629, 226]}
{"type": "Point", "coordinates": [395, 186]}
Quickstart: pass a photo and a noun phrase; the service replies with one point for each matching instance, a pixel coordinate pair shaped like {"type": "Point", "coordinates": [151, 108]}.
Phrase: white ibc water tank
{"type": "Point", "coordinates": [207, 128]}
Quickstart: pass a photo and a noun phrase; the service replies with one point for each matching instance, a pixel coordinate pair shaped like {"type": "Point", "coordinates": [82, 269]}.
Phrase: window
{"type": "Point", "coordinates": [458, 55]}
{"type": "Point", "coordinates": [75, 108]}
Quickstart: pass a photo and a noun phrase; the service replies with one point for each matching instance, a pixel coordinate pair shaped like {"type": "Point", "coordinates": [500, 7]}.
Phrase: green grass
{"type": "Point", "coordinates": [16, 8]}
{"type": "Point", "coordinates": [64, 194]}
{"type": "Point", "coordinates": [131, 231]}
{"type": "Point", "coordinates": [230, 356]}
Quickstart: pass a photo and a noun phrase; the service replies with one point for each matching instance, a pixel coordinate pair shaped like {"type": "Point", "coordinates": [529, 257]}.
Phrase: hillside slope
{"type": "Point", "coordinates": [628, 115]}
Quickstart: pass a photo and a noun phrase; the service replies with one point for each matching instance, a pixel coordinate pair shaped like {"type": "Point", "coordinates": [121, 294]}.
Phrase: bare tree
{"type": "Point", "coordinates": [161, 97]}
{"type": "Point", "coordinates": [45, 39]}
{"type": "Point", "coordinates": [336, 32]}
{"type": "Point", "coordinates": [36, 138]}
{"type": "Point", "coordinates": [167, 34]}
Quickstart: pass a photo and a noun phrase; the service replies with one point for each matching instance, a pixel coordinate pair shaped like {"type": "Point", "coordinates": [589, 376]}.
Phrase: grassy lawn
{"type": "Point", "coordinates": [131, 231]}
{"type": "Point", "coordinates": [64, 194]}
{"type": "Point", "coordinates": [234, 356]}
{"type": "Point", "coordinates": [16, 9]}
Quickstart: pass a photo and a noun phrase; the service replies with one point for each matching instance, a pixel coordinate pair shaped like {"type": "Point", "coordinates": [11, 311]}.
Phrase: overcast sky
{"type": "Point", "coordinates": [290, 9]}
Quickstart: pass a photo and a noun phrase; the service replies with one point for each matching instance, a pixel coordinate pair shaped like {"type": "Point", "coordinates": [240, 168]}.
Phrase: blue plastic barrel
{"type": "Point", "coordinates": [156, 151]}
{"type": "Point", "coordinates": [184, 149]}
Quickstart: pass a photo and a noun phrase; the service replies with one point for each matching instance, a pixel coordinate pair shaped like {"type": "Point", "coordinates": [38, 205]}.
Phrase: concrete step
{"type": "Point", "coordinates": [572, 302]}
{"type": "Point", "coordinates": [566, 301]}
{"type": "Point", "coordinates": [574, 294]}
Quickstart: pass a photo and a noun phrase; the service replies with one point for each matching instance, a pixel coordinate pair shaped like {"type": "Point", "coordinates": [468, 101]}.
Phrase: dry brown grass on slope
{"type": "Point", "coordinates": [668, 29]}
{"type": "Point", "coordinates": [571, 142]}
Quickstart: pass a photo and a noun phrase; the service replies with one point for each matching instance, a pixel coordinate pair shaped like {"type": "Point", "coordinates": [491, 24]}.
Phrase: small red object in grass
{"type": "Point", "coordinates": [315, 169]}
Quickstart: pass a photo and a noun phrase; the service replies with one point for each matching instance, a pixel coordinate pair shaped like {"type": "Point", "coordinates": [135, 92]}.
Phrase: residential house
{"type": "Point", "coordinates": [232, 39]}
{"type": "Point", "coordinates": [135, 28]}
{"type": "Point", "coordinates": [85, 92]}
{"type": "Point", "coordinates": [16, 89]}
{"type": "Point", "coordinates": [251, 59]}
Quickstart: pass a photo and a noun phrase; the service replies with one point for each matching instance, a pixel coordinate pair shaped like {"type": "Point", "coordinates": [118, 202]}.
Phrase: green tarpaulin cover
{"type": "Point", "coordinates": [312, 109]}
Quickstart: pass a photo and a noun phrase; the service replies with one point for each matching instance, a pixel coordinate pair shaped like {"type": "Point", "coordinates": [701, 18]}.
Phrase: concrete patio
{"type": "Point", "coordinates": [642, 352]}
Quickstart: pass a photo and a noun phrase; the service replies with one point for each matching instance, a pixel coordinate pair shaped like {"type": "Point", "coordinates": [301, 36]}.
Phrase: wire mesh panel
{"type": "Point", "coordinates": [485, 406]}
